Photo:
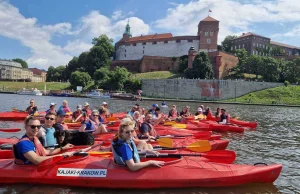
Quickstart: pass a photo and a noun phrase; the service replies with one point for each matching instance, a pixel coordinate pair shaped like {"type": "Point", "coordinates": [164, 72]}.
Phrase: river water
{"type": "Point", "coordinates": [276, 140]}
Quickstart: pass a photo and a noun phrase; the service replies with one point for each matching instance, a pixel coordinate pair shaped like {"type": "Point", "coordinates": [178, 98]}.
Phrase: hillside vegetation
{"type": "Point", "coordinates": [157, 75]}
{"type": "Point", "coordinates": [14, 86]}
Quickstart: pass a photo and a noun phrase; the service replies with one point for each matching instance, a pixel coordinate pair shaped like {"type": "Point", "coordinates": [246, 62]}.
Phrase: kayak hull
{"type": "Point", "coordinates": [187, 172]}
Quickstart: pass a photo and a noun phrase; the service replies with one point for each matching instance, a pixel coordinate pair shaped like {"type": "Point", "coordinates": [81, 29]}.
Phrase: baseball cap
{"type": "Point", "coordinates": [79, 107]}
{"type": "Point", "coordinates": [52, 104]}
{"type": "Point", "coordinates": [199, 109]}
{"type": "Point", "coordinates": [86, 104]}
{"type": "Point", "coordinates": [154, 105]}
{"type": "Point", "coordinates": [104, 103]}
{"type": "Point", "coordinates": [61, 113]}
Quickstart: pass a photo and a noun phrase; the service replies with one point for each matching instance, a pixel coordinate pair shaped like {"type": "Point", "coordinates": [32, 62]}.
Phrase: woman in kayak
{"type": "Point", "coordinates": [218, 114]}
{"type": "Point", "coordinates": [29, 149]}
{"type": "Point", "coordinates": [64, 107]}
{"type": "Point", "coordinates": [126, 153]}
{"type": "Point", "coordinates": [32, 108]}
{"type": "Point", "coordinates": [185, 112]}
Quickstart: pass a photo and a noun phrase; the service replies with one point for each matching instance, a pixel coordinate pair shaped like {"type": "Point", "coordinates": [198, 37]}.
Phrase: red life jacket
{"type": "Point", "coordinates": [153, 131]}
{"type": "Point", "coordinates": [39, 149]}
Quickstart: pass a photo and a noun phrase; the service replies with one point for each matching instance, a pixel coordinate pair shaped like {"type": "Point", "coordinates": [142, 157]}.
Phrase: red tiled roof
{"type": "Point", "coordinates": [209, 19]}
{"type": "Point", "coordinates": [36, 71]}
{"type": "Point", "coordinates": [283, 45]}
{"type": "Point", "coordinates": [149, 37]}
{"type": "Point", "coordinates": [250, 34]}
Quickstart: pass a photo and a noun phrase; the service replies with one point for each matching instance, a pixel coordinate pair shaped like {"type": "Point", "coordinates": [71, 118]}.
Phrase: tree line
{"type": "Point", "coordinates": [94, 65]}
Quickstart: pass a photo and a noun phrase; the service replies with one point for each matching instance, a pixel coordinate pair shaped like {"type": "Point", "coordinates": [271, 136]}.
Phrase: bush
{"type": "Point", "coordinates": [286, 83]}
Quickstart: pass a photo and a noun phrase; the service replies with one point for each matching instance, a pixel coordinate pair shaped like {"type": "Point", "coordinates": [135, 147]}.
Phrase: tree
{"type": "Point", "coordinates": [183, 63]}
{"type": "Point", "coordinates": [23, 63]}
{"type": "Point", "coordinates": [277, 51]}
{"type": "Point", "coordinates": [132, 85]}
{"type": "Point", "coordinates": [271, 69]}
{"type": "Point", "coordinates": [227, 43]}
{"type": "Point", "coordinates": [81, 62]}
{"type": "Point", "coordinates": [96, 58]}
{"type": "Point", "coordinates": [254, 64]}
{"type": "Point", "coordinates": [80, 79]}
{"type": "Point", "coordinates": [106, 43]}
{"type": "Point", "coordinates": [50, 74]}
{"type": "Point", "coordinates": [71, 67]}
{"type": "Point", "coordinates": [241, 66]}
{"type": "Point", "coordinates": [202, 68]}
{"type": "Point", "coordinates": [59, 74]}
{"type": "Point", "coordinates": [102, 77]}
{"type": "Point", "coordinates": [293, 71]}
{"type": "Point", "coordinates": [118, 77]}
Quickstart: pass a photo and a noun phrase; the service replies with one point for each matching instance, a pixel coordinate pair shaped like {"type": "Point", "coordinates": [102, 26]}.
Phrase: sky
{"type": "Point", "coordinates": [51, 32]}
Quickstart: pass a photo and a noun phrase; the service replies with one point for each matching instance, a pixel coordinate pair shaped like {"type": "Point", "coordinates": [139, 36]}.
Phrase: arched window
{"type": "Point", "coordinates": [208, 41]}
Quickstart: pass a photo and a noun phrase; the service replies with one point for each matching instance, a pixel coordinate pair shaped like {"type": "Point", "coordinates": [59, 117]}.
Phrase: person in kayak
{"type": "Point", "coordinates": [158, 117]}
{"type": "Point", "coordinates": [207, 113]}
{"type": "Point", "coordinates": [147, 129]}
{"type": "Point", "coordinates": [87, 109]}
{"type": "Point", "coordinates": [60, 121]}
{"type": "Point", "coordinates": [199, 112]}
{"type": "Point", "coordinates": [105, 105]}
{"type": "Point", "coordinates": [46, 132]}
{"type": "Point", "coordinates": [223, 117]}
{"type": "Point", "coordinates": [77, 115]}
{"type": "Point", "coordinates": [32, 108]}
{"type": "Point", "coordinates": [125, 151]}
{"type": "Point", "coordinates": [185, 112]}
{"type": "Point", "coordinates": [93, 124]}
{"type": "Point", "coordinates": [218, 114]}
{"type": "Point", "coordinates": [152, 110]}
{"type": "Point", "coordinates": [164, 104]}
{"type": "Point", "coordinates": [52, 108]}
{"type": "Point", "coordinates": [64, 107]}
{"type": "Point", "coordinates": [29, 149]}
{"type": "Point", "coordinates": [133, 109]}
{"type": "Point", "coordinates": [103, 115]}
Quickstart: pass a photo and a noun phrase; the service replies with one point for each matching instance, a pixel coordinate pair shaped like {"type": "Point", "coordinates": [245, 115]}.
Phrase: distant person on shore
{"type": "Point", "coordinates": [77, 115]}
{"type": "Point", "coordinates": [52, 108]}
{"type": "Point", "coordinates": [65, 107]}
{"type": "Point", "coordinates": [87, 109]}
{"type": "Point", "coordinates": [32, 108]}
{"type": "Point", "coordinates": [60, 121]}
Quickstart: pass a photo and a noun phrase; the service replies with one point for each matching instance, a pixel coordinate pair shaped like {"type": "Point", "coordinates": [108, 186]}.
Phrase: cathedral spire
{"type": "Point", "coordinates": [127, 29]}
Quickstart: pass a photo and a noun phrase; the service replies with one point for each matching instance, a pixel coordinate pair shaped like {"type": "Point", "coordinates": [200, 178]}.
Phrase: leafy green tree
{"type": "Point", "coordinates": [202, 67]}
{"type": "Point", "coordinates": [227, 43]}
{"type": "Point", "coordinates": [132, 85]}
{"type": "Point", "coordinates": [106, 43]}
{"type": "Point", "coordinates": [102, 77]}
{"type": "Point", "coordinates": [293, 71]}
{"type": "Point", "coordinates": [23, 63]}
{"type": "Point", "coordinates": [80, 79]}
{"type": "Point", "coordinates": [50, 74]}
{"type": "Point", "coordinates": [241, 66]}
{"type": "Point", "coordinates": [254, 64]}
{"type": "Point", "coordinates": [118, 77]}
{"type": "Point", "coordinates": [71, 67]}
{"type": "Point", "coordinates": [59, 74]}
{"type": "Point", "coordinates": [271, 69]}
{"type": "Point", "coordinates": [183, 63]}
{"type": "Point", "coordinates": [96, 58]}
{"type": "Point", "coordinates": [277, 51]}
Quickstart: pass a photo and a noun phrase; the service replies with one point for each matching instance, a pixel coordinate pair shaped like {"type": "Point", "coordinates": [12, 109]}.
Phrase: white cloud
{"type": "Point", "coordinates": [76, 47]}
{"type": "Point", "coordinates": [117, 15]}
{"type": "Point", "coordinates": [61, 28]}
{"type": "Point", "coordinates": [235, 17]}
{"type": "Point", "coordinates": [295, 32]}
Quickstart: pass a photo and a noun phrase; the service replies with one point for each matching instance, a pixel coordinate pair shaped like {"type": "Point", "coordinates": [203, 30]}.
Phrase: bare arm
{"type": "Point", "coordinates": [34, 158]}
{"type": "Point", "coordinates": [58, 150]}
{"type": "Point", "coordinates": [137, 166]}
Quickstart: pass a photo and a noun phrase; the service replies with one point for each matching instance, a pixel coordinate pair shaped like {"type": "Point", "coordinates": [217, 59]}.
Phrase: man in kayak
{"type": "Point", "coordinates": [218, 114]}
{"type": "Point", "coordinates": [46, 132]}
{"type": "Point", "coordinates": [147, 129]}
{"type": "Point", "coordinates": [77, 115]}
{"type": "Point", "coordinates": [32, 108]}
{"type": "Point", "coordinates": [93, 124]}
{"type": "Point", "coordinates": [29, 149]}
{"type": "Point", "coordinates": [125, 152]}
{"type": "Point", "coordinates": [60, 121]}
{"type": "Point", "coordinates": [133, 109]}
{"type": "Point", "coordinates": [105, 105]}
{"type": "Point", "coordinates": [199, 112]}
{"type": "Point", "coordinates": [64, 107]}
{"type": "Point", "coordinates": [223, 117]}
{"type": "Point", "coordinates": [52, 108]}
{"type": "Point", "coordinates": [87, 109]}
{"type": "Point", "coordinates": [152, 110]}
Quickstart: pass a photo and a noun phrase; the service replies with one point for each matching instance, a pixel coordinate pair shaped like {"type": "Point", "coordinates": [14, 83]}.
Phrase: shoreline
{"type": "Point", "coordinates": [217, 102]}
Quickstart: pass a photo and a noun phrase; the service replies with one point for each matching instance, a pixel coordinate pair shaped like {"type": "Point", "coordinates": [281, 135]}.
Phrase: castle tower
{"type": "Point", "coordinates": [208, 30]}
{"type": "Point", "coordinates": [127, 33]}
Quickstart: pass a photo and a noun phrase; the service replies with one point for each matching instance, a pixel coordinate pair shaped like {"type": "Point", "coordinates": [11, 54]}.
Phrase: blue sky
{"type": "Point", "coordinates": [45, 32]}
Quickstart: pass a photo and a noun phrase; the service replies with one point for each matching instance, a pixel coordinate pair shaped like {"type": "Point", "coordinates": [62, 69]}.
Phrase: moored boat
{"type": "Point", "coordinates": [32, 91]}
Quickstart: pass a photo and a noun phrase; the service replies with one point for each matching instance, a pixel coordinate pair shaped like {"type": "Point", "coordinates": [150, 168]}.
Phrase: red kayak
{"type": "Point", "coordinates": [13, 116]}
{"type": "Point", "coordinates": [101, 172]}
{"type": "Point", "coordinates": [244, 123]}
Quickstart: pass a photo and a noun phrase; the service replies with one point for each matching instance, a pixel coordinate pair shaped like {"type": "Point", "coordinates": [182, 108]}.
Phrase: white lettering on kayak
{"type": "Point", "coordinates": [78, 172]}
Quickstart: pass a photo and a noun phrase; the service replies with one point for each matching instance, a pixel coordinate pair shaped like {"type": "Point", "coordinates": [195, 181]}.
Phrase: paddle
{"type": "Point", "coordinates": [220, 156]}
{"type": "Point", "coordinates": [10, 130]}
{"type": "Point", "coordinates": [164, 142]}
{"type": "Point", "coordinates": [179, 126]}
{"type": "Point", "coordinates": [197, 146]}
{"type": "Point", "coordinates": [51, 162]}
{"type": "Point", "coordinates": [16, 110]}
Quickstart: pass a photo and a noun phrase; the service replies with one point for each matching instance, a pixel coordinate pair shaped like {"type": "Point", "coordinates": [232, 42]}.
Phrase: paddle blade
{"type": "Point", "coordinates": [49, 163]}
{"type": "Point", "coordinates": [101, 154]}
{"type": "Point", "coordinates": [165, 142]}
{"type": "Point", "coordinates": [220, 156]}
{"type": "Point", "coordinates": [179, 126]}
{"type": "Point", "coordinates": [169, 123]}
{"type": "Point", "coordinates": [199, 146]}
{"type": "Point", "coordinates": [10, 130]}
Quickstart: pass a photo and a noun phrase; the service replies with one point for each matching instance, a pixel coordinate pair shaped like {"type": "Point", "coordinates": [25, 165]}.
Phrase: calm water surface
{"type": "Point", "coordinates": [276, 140]}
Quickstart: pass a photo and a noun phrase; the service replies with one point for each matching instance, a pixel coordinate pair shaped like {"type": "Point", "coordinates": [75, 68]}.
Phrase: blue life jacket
{"type": "Point", "coordinates": [117, 156]}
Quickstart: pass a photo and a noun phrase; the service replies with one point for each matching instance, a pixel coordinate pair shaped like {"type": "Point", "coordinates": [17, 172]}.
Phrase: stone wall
{"type": "Point", "coordinates": [201, 89]}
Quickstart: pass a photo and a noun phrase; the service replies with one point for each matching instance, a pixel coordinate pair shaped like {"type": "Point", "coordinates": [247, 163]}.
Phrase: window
{"type": "Point", "coordinates": [253, 44]}
{"type": "Point", "coordinates": [235, 47]}
{"type": "Point", "coordinates": [125, 50]}
{"type": "Point", "coordinates": [208, 40]}
{"type": "Point", "coordinates": [190, 40]}
{"type": "Point", "coordinates": [143, 52]}
{"type": "Point", "coordinates": [253, 52]}
{"type": "Point", "coordinates": [231, 48]}
{"type": "Point", "coordinates": [166, 42]}
{"type": "Point", "coordinates": [211, 33]}
{"type": "Point", "coordinates": [125, 55]}
{"type": "Point", "coordinates": [206, 33]}
{"type": "Point", "coordinates": [263, 46]}
{"type": "Point", "coordinates": [154, 42]}
{"type": "Point", "coordinates": [239, 46]}
{"type": "Point", "coordinates": [144, 43]}
{"type": "Point", "coordinates": [256, 44]}
{"type": "Point", "coordinates": [178, 41]}
{"type": "Point", "coordinates": [243, 46]}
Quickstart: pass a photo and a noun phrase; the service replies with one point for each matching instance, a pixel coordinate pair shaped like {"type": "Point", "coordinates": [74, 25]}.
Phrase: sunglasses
{"type": "Point", "coordinates": [31, 102]}
{"type": "Point", "coordinates": [35, 126]}
{"type": "Point", "coordinates": [48, 118]}
{"type": "Point", "coordinates": [128, 132]}
{"type": "Point", "coordinates": [95, 115]}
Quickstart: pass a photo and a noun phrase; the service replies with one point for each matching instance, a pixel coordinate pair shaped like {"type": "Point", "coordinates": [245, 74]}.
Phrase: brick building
{"type": "Point", "coordinates": [256, 44]}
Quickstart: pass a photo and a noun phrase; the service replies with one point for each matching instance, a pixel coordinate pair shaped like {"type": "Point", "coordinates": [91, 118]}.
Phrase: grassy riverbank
{"type": "Point", "coordinates": [280, 95]}
{"type": "Point", "coordinates": [14, 86]}
{"type": "Point", "coordinates": [157, 75]}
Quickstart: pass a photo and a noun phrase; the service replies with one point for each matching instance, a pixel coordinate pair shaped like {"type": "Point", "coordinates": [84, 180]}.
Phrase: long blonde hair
{"type": "Point", "coordinates": [124, 123]}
